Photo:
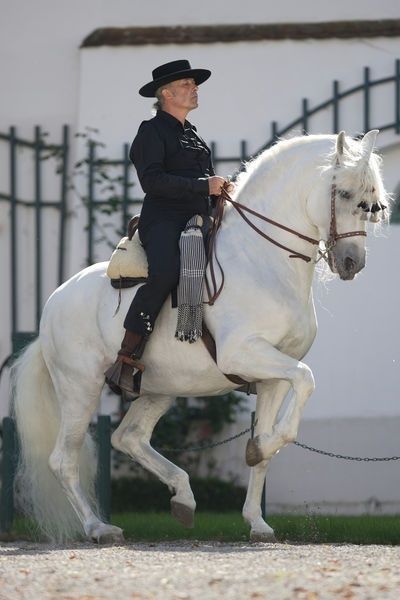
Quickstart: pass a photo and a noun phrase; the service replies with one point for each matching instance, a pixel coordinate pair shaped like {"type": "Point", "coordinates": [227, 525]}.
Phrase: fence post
{"type": "Point", "coordinates": [305, 115]}
{"type": "Point", "coordinates": [10, 459]}
{"type": "Point", "coordinates": [125, 196]}
{"type": "Point", "coordinates": [274, 132]}
{"type": "Point", "coordinates": [13, 227]}
{"type": "Point", "coordinates": [90, 200]}
{"type": "Point", "coordinates": [104, 466]}
{"type": "Point", "coordinates": [335, 104]}
{"type": "Point", "coordinates": [63, 203]}
{"type": "Point", "coordinates": [367, 86]}
{"type": "Point", "coordinates": [397, 96]}
{"type": "Point", "coordinates": [38, 222]}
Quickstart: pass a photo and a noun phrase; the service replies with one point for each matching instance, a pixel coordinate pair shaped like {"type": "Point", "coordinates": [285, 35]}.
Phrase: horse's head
{"type": "Point", "coordinates": [356, 195]}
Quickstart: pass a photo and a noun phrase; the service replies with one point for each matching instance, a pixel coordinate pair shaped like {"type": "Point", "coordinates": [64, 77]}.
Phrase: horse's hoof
{"type": "Point", "coordinates": [182, 513]}
{"type": "Point", "coordinates": [107, 534]}
{"type": "Point", "coordinates": [253, 452]}
{"type": "Point", "coordinates": [266, 537]}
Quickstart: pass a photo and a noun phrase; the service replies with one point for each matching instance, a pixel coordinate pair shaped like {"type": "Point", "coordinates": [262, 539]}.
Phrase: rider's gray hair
{"type": "Point", "coordinates": [158, 104]}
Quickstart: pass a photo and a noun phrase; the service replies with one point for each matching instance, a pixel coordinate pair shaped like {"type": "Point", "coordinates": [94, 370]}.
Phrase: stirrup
{"type": "Point", "coordinates": [125, 375]}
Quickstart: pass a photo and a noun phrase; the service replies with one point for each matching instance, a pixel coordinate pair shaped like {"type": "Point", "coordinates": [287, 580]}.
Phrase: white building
{"type": "Point", "coordinates": [60, 64]}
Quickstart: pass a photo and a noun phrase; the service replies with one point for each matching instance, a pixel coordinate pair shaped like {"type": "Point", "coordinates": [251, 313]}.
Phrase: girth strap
{"type": "Point", "coordinates": [209, 343]}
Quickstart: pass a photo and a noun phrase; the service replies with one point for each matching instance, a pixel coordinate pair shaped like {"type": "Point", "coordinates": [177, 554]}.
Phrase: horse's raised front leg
{"type": "Point", "coordinates": [133, 438]}
{"type": "Point", "coordinates": [256, 359]}
{"type": "Point", "coordinates": [270, 396]}
{"type": "Point", "coordinates": [78, 398]}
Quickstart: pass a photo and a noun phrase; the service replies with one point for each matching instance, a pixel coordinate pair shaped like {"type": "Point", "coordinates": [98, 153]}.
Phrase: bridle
{"type": "Point", "coordinates": [334, 236]}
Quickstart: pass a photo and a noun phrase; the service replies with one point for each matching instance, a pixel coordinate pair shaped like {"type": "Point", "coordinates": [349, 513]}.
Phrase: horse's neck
{"type": "Point", "coordinates": [280, 198]}
{"type": "Point", "coordinates": [279, 188]}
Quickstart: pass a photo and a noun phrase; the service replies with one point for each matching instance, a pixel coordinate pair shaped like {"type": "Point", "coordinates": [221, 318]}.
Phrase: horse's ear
{"type": "Point", "coordinates": [341, 144]}
{"type": "Point", "coordinates": [368, 143]}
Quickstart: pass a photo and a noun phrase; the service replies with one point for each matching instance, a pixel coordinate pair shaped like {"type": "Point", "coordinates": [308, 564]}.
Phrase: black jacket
{"type": "Point", "coordinates": [173, 163]}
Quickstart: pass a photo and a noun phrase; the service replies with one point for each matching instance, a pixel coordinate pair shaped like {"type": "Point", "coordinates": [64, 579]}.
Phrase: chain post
{"type": "Point", "coordinates": [253, 420]}
{"type": "Point", "coordinates": [10, 459]}
{"type": "Point", "coordinates": [103, 483]}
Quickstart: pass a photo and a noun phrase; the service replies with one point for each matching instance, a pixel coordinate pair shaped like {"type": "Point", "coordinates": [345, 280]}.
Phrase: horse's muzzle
{"type": "Point", "coordinates": [346, 259]}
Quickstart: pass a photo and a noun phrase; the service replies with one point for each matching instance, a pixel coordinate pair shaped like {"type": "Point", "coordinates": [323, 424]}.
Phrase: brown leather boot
{"type": "Point", "coordinates": [126, 373]}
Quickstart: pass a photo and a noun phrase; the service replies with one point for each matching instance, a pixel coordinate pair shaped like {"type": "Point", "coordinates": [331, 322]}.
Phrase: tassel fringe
{"type": "Point", "coordinates": [191, 282]}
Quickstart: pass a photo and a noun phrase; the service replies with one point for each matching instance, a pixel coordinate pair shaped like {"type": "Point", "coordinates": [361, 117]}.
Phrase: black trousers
{"type": "Point", "coordinates": [161, 242]}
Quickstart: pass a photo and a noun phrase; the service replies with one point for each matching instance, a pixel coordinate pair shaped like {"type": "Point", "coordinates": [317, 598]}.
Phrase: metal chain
{"type": "Point", "coordinates": [205, 446]}
{"type": "Point", "coordinates": [357, 458]}
{"type": "Point", "coordinates": [251, 429]}
{"type": "Point", "coordinates": [304, 446]}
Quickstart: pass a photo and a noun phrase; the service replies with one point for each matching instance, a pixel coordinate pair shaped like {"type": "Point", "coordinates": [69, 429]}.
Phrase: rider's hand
{"type": "Point", "coordinates": [215, 185]}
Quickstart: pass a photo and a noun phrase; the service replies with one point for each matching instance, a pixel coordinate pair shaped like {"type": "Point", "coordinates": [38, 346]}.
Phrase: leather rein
{"type": "Point", "coordinates": [242, 209]}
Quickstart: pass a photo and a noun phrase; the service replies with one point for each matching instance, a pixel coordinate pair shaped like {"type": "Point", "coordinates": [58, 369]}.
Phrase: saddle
{"type": "Point", "coordinates": [128, 262]}
{"type": "Point", "coordinates": [128, 267]}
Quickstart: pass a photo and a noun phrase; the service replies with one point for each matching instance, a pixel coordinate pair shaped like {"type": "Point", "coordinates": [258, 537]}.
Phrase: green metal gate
{"type": "Point", "coordinates": [38, 149]}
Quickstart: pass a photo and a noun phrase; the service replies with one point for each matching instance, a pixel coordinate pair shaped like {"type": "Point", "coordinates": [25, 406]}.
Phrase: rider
{"type": "Point", "coordinates": [175, 170]}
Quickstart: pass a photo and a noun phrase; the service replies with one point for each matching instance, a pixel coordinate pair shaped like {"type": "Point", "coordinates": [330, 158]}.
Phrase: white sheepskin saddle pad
{"type": "Point", "coordinates": [128, 260]}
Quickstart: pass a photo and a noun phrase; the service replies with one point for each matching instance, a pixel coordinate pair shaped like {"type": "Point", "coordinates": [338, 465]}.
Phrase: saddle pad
{"type": "Point", "coordinates": [128, 260]}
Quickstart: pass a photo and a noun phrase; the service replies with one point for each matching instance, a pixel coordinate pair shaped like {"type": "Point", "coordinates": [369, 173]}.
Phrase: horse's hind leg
{"type": "Point", "coordinates": [77, 405]}
{"type": "Point", "coordinates": [133, 438]}
{"type": "Point", "coordinates": [270, 396]}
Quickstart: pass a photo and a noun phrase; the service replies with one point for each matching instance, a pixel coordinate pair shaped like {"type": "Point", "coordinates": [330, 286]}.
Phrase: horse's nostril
{"type": "Point", "coordinates": [349, 263]}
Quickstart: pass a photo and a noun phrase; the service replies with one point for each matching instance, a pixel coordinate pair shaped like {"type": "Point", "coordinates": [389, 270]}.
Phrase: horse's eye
{"type": "Point", "coordinates": [345, 194]}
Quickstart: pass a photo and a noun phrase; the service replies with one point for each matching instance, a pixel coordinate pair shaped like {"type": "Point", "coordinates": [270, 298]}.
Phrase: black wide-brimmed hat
{"type": "Point", "coordinates": [177, 69]}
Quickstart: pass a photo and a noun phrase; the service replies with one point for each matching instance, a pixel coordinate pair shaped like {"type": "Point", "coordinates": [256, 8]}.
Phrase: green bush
{"type": "Point", "coordinates": [211, 494]}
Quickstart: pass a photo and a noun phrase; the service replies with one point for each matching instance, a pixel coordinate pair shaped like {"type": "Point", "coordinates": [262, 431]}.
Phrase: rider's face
{"type": "Point", "coordinates": [183, 93]}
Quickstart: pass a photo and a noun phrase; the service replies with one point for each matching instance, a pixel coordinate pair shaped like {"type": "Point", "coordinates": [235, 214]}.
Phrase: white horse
{"type": "Point", "coordinates": [263, 324]}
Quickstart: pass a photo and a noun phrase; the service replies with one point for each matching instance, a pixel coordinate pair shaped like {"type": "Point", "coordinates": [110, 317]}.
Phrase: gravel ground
{"type": "Point", "coordinates": [198, 570]}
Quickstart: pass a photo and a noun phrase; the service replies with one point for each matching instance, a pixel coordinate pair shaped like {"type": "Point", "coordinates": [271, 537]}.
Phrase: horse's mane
{"type": "Point", "coordinates": [275, 159]}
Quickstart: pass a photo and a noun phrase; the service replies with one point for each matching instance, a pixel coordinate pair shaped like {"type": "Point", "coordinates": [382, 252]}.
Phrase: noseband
{"type": "Point", "coordinates": [334, 236]}
{"type": "Point", "coordinates": [241, 209]}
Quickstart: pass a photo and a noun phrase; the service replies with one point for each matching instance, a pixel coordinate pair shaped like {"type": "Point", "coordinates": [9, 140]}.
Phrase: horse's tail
{"type": "Point", "coordinates": [37, 413]}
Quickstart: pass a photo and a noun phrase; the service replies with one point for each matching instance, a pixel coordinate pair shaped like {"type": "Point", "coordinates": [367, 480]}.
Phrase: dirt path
{"type": "Point", "coordinates": [198, 570]}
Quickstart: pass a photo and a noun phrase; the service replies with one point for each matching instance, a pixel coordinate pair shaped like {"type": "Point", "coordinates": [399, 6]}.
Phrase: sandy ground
{"type": "Point", "coordinates": [198, 570]}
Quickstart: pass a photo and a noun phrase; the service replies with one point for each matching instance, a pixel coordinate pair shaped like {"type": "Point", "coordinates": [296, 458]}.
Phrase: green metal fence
{"type": "Point", "coordinates": [120, 185]}
{"type": "Point", "coordinates": [363, 93]}
{"type": "Point", "coordinates": [39, 148]}
{"type": "Point", "coordinates": [364, 90]}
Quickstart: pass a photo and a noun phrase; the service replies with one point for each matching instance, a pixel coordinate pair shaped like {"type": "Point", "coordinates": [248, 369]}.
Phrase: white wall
{"type": "Point", "coordinates": [39, 41]}
{"type": "Point", "coordinates": [251, 85]}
